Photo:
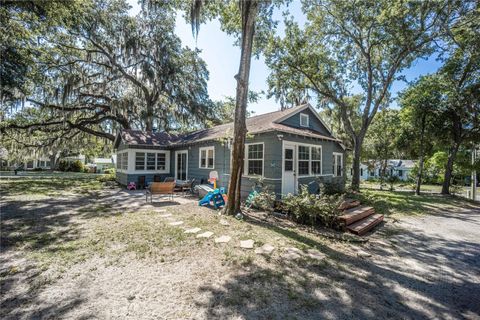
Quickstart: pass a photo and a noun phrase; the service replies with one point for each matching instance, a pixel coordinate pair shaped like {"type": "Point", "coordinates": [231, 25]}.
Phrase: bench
{"type": "Point", "coordinates": [162, 188]}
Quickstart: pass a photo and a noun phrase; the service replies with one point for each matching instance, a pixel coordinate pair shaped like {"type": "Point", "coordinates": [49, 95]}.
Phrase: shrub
{"type": "Point", "coordinates": [107, 177]}
{"type": "Point", "coordinates": [63, 165]}
{"type": "Point", "coordinates": [109, 171]}
{"type": "Point", "coordinates": [331, 188]}
{"type": "Point", "coordinates": [38, 169]}
{"type": "Point", "coordinates": [76, 166]}
{"type": "Point", "coordinates": [313, 209]}
{"type": "Point", "coordinates": [264, 200]}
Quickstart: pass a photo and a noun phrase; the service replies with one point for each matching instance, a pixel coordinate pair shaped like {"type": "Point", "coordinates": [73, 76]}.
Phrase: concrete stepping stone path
{"type": "Point", "coordinates": [176, 223]}
{"type": "Point", "coordinates": [166, 215]}
{"type": "Point", "coordinates": [206, 234]}
{"type": "Point", "coordinates": [247, 244]}
{"type": "Point", "coordinates": [224, 222]}
{"type": "Point", "coordinates": [194, 230]}
{"type": "Point", "coordinates": [292, 253]}
{"type": "Point", "coordinates": [223, 239]}
{"type": "Point", "coordinates": [265, 249]}
{"type": "Point", "coordinates": [315, 254]}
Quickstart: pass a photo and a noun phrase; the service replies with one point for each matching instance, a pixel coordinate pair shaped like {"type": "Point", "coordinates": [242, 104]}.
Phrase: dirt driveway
{"type": "Point", "coordinates": [107, 255]}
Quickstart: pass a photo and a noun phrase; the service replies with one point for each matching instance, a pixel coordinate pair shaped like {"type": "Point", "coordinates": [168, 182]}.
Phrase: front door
{"type": "Point", "coordinates": [181, 159]}
{"type": "Point", "coordinates": [289, 182]}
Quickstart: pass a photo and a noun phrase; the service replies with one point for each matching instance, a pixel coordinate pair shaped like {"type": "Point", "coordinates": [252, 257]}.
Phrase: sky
{"type": "Point", "coordinates": [222, 58]}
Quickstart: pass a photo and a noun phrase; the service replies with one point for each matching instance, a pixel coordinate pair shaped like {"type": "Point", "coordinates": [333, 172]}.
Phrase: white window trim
{"type": "Point", "coordinates": [245, 164]}
{"type": "Point", "coordinates": [206, 159]}
{"type": "Point", "coordinates": [310, 174]}
{"type": "Point", "coordinates": [119, 162]}
{"type": "Point", "coordinates": [144, 171]}
{"type": "Point", "coordinates": [307, 117]}
{"type": "Point", "coordinates": [335, 154]}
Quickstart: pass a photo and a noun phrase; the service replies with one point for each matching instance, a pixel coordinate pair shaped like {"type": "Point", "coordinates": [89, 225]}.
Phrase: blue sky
{"type": "Point", "coordinates": [222, 58]}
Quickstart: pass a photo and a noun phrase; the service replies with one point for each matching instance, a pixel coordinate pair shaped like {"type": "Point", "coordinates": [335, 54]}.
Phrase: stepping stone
{"type": "Point", "coordinates": [206, 234]}
{"type": "Point", "coordinates": [247, 244]}
{"type": "Point", "coordinates": [166, 215]}
{"type": "Point", "coordinates": [224, 222]}
{"type": "Point", "coordinates": [194, 230]}
{"type": "Point", "coordinates": [363, 254]}
{"type": "Point", "coordinates": [292, 253]}
{"type": "Point", "coordinates": [315, 254]}
{"type": "Point", "coordinates": [176, 223]}
{"type": "Point", "coordinates": [265, 249]}
{"type": "Point", "coordinates": [223, 239]}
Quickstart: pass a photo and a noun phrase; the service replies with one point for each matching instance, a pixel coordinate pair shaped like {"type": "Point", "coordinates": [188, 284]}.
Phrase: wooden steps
{"type": "Point", "coordinates": [363, 226]}
{"type": "Point", "coordinates": [356, 218]}
{"type": "Point", "coordinates": [354, 214]}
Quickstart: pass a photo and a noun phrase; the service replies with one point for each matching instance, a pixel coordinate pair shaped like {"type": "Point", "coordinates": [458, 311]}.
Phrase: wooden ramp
{"type": "Point", "coordinates": [358, 219]}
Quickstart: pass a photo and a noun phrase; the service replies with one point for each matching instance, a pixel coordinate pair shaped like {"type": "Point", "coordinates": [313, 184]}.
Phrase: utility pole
{"type": "Point", "coordinates": [473, 184]}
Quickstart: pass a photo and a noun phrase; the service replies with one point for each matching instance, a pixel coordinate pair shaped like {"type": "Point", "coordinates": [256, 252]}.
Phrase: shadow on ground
{"type": "Point", "coordinates": [418, 276]}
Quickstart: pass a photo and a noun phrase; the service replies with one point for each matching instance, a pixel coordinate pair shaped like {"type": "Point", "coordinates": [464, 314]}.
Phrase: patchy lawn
{"type": "Point", "coordinates": [73, 248]}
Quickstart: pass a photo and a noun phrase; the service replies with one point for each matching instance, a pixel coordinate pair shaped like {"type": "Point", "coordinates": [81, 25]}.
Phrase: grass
{"type": "Point", "coordinates": [407, 204]}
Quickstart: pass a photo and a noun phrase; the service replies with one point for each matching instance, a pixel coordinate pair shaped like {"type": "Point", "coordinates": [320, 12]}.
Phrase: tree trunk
{"type": "Point", "coordinates": [249, 11]}
{"type": "Point", "coordinates": [357, 150]}
{"type": "Point", "coordinates": [422, 156]}
{"type": "Point", "coordinates": [449, 168]}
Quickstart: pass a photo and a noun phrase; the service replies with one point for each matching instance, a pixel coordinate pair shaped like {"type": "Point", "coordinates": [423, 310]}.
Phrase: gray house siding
{"type": "Point", "coordinates": [272, 164]}
{"type": "Point", "coordinates": [314, 123]}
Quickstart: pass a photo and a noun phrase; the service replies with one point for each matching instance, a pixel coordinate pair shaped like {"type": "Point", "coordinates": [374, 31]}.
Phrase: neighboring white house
{"type": "Point", "coordinates": [395, 167]}
{"type": "Point", "coordinates": [100, 164]}
{"type": "Point", "coordinates": [38, 162]}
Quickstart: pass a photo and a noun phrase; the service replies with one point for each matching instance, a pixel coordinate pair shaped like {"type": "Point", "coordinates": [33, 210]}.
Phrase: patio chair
{"type": "Point", "coordinates": [161, 188]}
{"type": "Point", "coordinates": [187, 186]}
{"type": "Point", "coordinates": [141, 182]}
{"type": "Point", "coordinates": [169, 179]}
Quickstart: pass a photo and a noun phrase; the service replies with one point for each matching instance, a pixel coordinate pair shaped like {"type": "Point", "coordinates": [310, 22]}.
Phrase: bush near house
{"type": "Point", "coordinates": [317, 208]}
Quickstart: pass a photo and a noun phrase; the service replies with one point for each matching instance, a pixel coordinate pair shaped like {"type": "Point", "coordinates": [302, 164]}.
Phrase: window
{"type": "Point", "coordinates": [254, 161]}
{"type": "Point", "coordinates": [119, 160]}
{"type": "Point", "coordinates": [150, 161]}
{"type": "Point", "coordinates": [207, 157]}
{"type": "Point", "coordinates": [288, 166]}
{"type": "Point", "coordinates": [161, 161]}
{"type": "Point", "coordinates": [400, 173]}
{"type": "Point", "coordinates": [316, 160]}
{"type": "Point", "coordinates": [139, 160]}
{"type": "Point", "coordinates": [361, 172]}
{"type": "Point", "coordinates": [124, 161]}
{"type": "Point", "coordinates": [337, 164]}
{"type": "Point", "coordinates": [304, 120]}
{"type": "Point", "coordinates": [303, 160]}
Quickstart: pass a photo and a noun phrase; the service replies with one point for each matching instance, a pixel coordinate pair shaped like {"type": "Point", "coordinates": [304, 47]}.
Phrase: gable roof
{"type": "Point", "coordinates": [262, 123]}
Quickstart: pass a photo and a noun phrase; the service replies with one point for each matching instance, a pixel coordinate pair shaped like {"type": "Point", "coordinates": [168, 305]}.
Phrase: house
{"type": "Point", "coordinates": [283, 149]}
{"type": "Point", "coordinates": [395, 168]}
{"type": "Point", "coordinates": [100, 164]}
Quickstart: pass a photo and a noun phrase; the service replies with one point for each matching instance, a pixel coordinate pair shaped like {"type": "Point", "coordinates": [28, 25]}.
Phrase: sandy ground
{"type": "Point", "coordinates": [424, 267]}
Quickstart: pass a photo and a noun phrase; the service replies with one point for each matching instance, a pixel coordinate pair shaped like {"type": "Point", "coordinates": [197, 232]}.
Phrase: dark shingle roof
{"type": "Point", "coordinates": [256, 124]}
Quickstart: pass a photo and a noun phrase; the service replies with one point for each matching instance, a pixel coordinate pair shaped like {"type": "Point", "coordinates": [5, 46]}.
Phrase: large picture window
{"type": "Point", "coordinates": [207, 158]}
{"type": "Point", "coordinates": [254, 159]}
{"type": "Point", "coordinates": [303, 160]}
{"type": "Point", "coordinates": [337, 164]}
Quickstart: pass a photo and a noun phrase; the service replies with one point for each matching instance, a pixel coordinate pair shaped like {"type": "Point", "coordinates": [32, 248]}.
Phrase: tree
{"type": "Point", "coordinates": [459, 79]}
{"type": "Point", "coordinates": [419, 116]}
{"type": "Point", "coordinates": [111, 71]}
{"type": "Point", "coordinates": [352, 48]}
{"type": "Point", "coordinates": [381, 140]}
{"type": "Point", "coordinates": [243, 20]}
